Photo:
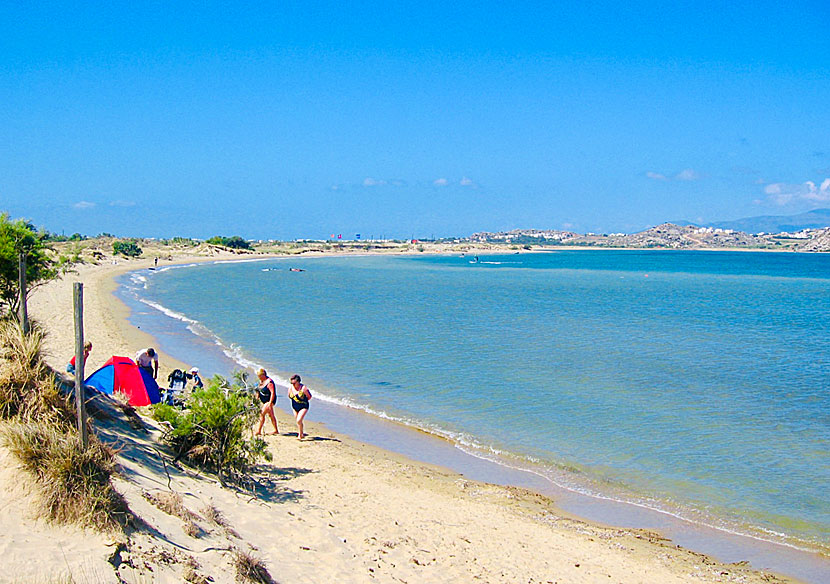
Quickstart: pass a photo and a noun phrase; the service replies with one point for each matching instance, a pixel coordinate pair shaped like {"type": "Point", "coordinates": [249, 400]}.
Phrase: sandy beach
{"type": "Point", "coordinates": [326, 509]}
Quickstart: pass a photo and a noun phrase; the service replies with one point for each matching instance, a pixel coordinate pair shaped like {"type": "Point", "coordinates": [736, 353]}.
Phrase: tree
{"type": "Point", "coordinates": [19, 236]}
{"type": "Point", "coordinates": [128, 249]}
{"type": "Point", "coordinates": [234, 242]}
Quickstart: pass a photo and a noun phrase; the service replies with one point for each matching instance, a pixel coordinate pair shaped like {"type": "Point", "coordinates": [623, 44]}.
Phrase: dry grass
{"type": "Point", "coordinates": [215, 517]}
{"type": "Point", "coordinates": [74, 484]}
{"type": "Point", "coordinates": [250, 568]}
{"type": "Point", "coordinates": [29, 390]}
{"type": "Point", "coordinates": [171, 503]}
{"type": "Point", "coordinates": [191, 575]}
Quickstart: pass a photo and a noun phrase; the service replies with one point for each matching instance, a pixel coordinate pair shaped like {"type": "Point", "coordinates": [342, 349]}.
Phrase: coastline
{"type": "Point", "coordinates": [107, 325]}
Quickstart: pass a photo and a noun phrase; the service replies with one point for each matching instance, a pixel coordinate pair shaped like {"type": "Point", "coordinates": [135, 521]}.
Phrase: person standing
{"type": "Point", "coordinates": [149, 361]}
{"type": "Point", "coordinates": [70, 367]}
{"type": "Point", "coordinates": [299, 395]}
{"type": "Point", "coordinates": [267, 392]}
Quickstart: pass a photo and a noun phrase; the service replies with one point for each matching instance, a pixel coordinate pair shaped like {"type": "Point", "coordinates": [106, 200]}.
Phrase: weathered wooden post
{"type": "Point", "coordinates": [23, 315]}
{"type": "Point", "coordinates": [80, 394]}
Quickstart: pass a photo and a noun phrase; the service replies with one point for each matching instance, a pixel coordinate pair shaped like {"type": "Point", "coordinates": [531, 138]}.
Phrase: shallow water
{"type": "Point", "coordinates": [691, 382]}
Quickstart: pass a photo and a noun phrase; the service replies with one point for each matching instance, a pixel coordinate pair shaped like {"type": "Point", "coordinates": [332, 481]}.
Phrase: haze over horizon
{"type": "Point", "coordinates": [394, 120]}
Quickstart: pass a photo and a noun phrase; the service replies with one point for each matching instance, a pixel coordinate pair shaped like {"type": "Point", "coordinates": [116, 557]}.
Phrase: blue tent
{"type": "Point", "coordinates": [123, 375]}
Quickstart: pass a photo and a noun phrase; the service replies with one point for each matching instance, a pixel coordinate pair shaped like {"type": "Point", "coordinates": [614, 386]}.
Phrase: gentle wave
{"type": "Point", "coordinates": [245, 261]}
{"type": "Point", "coordinates": [174, 267]}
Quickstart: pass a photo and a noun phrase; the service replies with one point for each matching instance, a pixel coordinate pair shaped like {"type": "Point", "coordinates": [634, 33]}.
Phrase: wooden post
{"type": "Point", "coordinates": [23, 315]}
{"type": "Point", "coordinates": [80, 394]}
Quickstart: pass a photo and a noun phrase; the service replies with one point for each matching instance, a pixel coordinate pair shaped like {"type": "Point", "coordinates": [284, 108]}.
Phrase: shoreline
{"type": "Point", "coordinates": [105, 307]}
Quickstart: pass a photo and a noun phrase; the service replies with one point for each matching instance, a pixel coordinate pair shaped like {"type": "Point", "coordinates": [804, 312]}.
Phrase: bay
{"type": "Point", "coordinates": [691, 382]}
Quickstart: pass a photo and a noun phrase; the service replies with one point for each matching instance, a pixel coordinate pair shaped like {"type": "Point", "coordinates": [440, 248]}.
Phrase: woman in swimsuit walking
{"type": "Point", "coordinates": [299, 395]}
{"type": "Point", "coordinates": [267, 392]}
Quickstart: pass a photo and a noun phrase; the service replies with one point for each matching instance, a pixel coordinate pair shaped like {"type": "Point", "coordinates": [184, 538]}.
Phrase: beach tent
{"type": "Point", "coordinates": [122, 374]}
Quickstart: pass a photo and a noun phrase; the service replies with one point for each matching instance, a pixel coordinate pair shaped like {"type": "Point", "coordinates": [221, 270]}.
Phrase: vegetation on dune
{"type": "Point", "coordinates": [18, 236]}
{"type": "Point", "coordinates": [210, 430]}
{"type": "Point", "coordinates": [250, 568]}
{"type": "Point", "coordinates": [74, 483]}
{"type": "Point", "coordinates": [234, 242]}
{"type": "Point", "coordinates": [39, 429]}
{"type": "Point", "coordinates": [128, 249]}
{"type": "Point", "coordinates": [29, 390]}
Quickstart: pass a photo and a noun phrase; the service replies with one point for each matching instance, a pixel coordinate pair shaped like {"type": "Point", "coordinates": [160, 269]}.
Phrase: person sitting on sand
{"type": "Point", "coordinates": [267, 391]}
{"type": "Point", "coordinates": [70, 367]}
{"type": "Point", "coordinates": [299, 395]}
{"type": "Point", "coordinates": [149, 361]}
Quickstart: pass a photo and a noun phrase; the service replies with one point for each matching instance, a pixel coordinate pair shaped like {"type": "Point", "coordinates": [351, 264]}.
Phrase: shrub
{"type": "Point", "coordinates": [16, 237]}
{"type": "Point", "coordinates": [234, 242]}
{"type": "Point", "coordinates": [210, 430]}
{"type": "Point", "coordinates": [126, 248]}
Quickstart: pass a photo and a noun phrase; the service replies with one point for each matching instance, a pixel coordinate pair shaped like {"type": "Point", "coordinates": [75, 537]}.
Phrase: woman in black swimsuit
{"type": "Point", "coordinates": [267, 392]}
{"type": "Point", "coordinates": [299, 395]}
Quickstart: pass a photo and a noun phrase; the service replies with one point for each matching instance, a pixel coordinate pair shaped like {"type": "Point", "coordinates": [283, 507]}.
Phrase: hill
{"type": "Point", "coordinates": [815, 219]}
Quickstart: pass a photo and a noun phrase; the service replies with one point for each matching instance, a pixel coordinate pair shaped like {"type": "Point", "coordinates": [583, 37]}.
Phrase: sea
{"type": "Point", "coordinates": [688, 386]}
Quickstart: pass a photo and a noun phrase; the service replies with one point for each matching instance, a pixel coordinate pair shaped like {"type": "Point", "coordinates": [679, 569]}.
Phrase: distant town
{"type": "Point", "coordinates": [667, 235]}
{"type": "Point", "coordinates": [808, 232]}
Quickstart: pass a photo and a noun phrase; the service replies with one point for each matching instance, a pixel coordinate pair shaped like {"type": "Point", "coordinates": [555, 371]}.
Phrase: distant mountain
{"type": "Point", "coordinates": [815, 219]}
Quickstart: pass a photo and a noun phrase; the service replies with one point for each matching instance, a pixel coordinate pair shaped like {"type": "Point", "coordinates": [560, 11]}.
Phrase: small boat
{"type": "Point", "coordinates": [296, 270]}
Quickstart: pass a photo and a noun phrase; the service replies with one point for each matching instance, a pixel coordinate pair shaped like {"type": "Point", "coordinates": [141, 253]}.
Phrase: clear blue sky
{"type": "Point", "coordinates": [287, 120]}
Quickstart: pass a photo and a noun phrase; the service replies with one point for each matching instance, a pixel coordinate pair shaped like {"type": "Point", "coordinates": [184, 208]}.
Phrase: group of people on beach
{"type": "Point", "coordinates": [298, 393]}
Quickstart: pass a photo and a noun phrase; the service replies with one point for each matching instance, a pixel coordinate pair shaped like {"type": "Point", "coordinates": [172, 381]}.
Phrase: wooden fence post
{"type": "Point", "coordinates": [23, 315]}
{"type": "Point", "coordinates": [80, 394]}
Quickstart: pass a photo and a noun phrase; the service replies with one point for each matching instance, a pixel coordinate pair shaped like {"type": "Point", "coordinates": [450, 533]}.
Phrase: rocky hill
{"type": "Point", "coordinates": [667, 236]}
{"type": "Point", "coordinates": [819, 241]}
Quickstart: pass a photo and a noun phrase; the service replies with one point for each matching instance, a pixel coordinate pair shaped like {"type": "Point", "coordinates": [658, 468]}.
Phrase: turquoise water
{"type": "Point", "coordinates": [691, 382]}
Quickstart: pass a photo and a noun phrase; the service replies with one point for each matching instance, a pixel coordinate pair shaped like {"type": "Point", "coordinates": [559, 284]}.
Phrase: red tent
{"type": "Point", "coordinates": [122, 374]}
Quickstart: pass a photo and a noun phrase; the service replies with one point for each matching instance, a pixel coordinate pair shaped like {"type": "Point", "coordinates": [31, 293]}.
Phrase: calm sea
{"type": "Point", "coordinates": [697, 383]}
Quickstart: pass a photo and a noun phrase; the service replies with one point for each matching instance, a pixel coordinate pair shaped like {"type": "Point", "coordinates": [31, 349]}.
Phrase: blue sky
{"type": "Point", "coordinates": [289, 120]}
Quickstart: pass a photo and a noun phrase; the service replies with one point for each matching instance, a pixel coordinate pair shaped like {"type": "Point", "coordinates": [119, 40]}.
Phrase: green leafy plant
{"type": "Point", "coordinates": [234, 242]}
{"type": "Point", "coordinates": [126, 248]}
{"type": "Point", "coordinates": [17, 237]}
{"type": "Point", "coordinates": [211, 430]}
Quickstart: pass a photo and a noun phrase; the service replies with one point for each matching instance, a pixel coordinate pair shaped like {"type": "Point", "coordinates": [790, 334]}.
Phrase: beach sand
{"type": "Point", "coordinates": [326, 509]}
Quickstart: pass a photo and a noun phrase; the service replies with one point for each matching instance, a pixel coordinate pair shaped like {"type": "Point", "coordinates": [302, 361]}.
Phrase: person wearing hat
{"type": "Point", "coordinates": [197, 381]}
{"type": "Point", "coordinates": [149, 361]}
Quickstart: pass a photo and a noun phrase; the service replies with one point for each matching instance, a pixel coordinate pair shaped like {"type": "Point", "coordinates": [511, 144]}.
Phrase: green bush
{"type": "Point", "coordinates": [126, 248]}
{"type": "Point", "coordinates": [234, 242]}
{"type": "Point", "coordinates": [19, 236]}
{"type": "Point", "coordinates": [211, 430]}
